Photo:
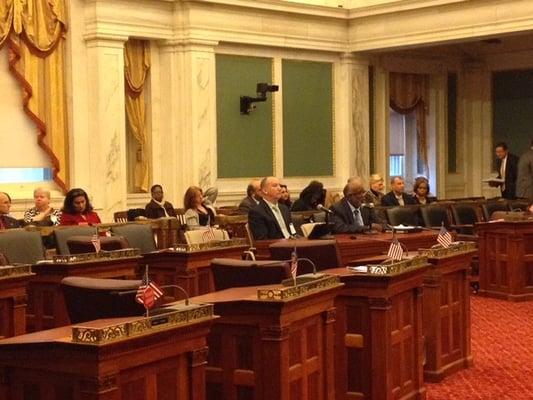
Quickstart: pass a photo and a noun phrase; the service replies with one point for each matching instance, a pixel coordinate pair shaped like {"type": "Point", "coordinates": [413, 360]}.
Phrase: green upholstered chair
{"type": "Point", "coordinates": [21, 247]}
{"type": "Point", "coordinates": [139, 236]}
{"type": "Point", "coordinates": [62, 235]}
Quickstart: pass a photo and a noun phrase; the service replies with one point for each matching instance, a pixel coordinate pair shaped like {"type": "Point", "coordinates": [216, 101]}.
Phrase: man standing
{"type": "Point", "coordinates": [349, 216]}
{"type": "Point", "coordinates": [253, 195]}
{"type": "Point", "coordinates": [507, 167]}
{"type": "Point", "coordinates": [6, 222]}
{"type": "Point", "coordinates": [270, 219]}
{"type": "Point", "coordinates": [397, 197]}
{"type": "Point", "coordinates": [524, 182]}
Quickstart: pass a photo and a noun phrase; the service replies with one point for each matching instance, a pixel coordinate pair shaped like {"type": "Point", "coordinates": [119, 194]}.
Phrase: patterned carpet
{"type": "Point", "coordinates": [502, 346]}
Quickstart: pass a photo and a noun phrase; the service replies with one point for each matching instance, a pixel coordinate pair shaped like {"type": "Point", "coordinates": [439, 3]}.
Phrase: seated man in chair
{"type": "Point", "coordinates": [348, 215]}
{"type": "Point", "coordinates": [6, 222]}
{"type": "Point", "coordinates": [270, 219]}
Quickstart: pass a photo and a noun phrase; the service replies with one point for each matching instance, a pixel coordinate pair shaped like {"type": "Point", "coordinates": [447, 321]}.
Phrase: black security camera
{"type": "Point", "coordinates": [246, 103]}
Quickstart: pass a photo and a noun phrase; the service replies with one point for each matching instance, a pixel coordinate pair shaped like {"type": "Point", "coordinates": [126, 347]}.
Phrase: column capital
{"type": "Point", "coordinates": [98, 39]}
{"type": "Point", "coordinates": [355, 59]}
{"type": "Point", "coordinates": [188, 44]}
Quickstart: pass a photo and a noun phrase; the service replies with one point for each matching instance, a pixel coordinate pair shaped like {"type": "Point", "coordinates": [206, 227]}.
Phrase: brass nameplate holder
{"type": "Point", "coordinates": [391, 267]}
{"type": "Point", "coordinates": [209, 245]}
{"type": "Point", "coordinates": [167, 318]}
{"type": "Point", "coordinates": [9, 271]}
{"type": "Point", "coordinates": [102, 255]}
{"type": "Point", "coordinates": [306, 285]}
{"type": "Point", "coordinates": [438, 251]}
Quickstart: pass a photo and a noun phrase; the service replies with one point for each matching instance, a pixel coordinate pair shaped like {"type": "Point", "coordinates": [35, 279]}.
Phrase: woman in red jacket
{"type": "Point", "coordinates": [77, 209]}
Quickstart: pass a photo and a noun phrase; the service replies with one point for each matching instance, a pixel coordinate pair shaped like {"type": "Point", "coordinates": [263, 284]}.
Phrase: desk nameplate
{"type": "Point", "coordinates": [10, 271]}
{"type": "Point", "coordinates": [289, 292]}
{"type": "Point", "coordinates": [454, 249]}
{"type": "Point", "coordinates": [168, 318]}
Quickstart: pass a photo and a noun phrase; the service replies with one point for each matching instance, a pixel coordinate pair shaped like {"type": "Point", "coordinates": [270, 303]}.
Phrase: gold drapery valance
{"type": "Point", "coordinates": [136, 69]}
{"type": "Point", "coordinates": [34, 32]}
{"type": "Point", "coordinates": [410, 93]}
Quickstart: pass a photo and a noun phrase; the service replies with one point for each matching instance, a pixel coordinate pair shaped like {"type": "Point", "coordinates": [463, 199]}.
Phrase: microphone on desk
{"type": "Point", "coordinates": [326, 210]}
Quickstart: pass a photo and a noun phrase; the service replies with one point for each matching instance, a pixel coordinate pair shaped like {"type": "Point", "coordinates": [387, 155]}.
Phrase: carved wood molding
{"type": "Point", "coordinates": [274, 333]}
{"type": "Point", "coordinates": [330, 315]}
{"type": "Point", "coordinates": [198, 357]}
{"type": "Point", "coordinates": [100, 384]}
{"type": "Point", "coordinates": [380, 304]}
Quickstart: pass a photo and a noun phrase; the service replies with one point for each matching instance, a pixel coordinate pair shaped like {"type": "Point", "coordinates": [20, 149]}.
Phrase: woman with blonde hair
{"type": "Point", "coordinates": [375, 193]}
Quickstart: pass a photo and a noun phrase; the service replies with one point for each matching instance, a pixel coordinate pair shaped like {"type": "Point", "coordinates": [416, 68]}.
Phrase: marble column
{"type": "Point", "coordinates": [107, 184]}
{"type": "Point", "coordinates": [381, 122]}
{"type": "Point", "coordinates": [476, 136]}
{"type": "Point", "coordinates": [359, 122]}
{"type": "Point", "coordinates": [190, 111]}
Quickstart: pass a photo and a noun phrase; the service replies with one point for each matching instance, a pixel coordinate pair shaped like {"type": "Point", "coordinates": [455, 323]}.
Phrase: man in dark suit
{"type": "Point", "coordinates": [348, 214]}
{"type": "Point", "coordinates": [6, 222]}
{"type": "Point", "coordinates": [270, 219]}
{"type": "Point", "coordinates": [397, 197]}
{"type": "Point", "coordinates": [507, 167]}
{"type": "Point", "coordinates": [253, 195]}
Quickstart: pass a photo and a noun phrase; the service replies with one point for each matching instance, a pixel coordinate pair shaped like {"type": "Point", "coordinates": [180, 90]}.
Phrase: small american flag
{"type": "Point", "coordinates": [95, 240]}
{"type": "Point", "coordinates": [208, 235]}
{"type": "Point", "coordinates": [148, 293]}
{"type": "Point", "coordinates": [444, 238]}
{"type": "Point", "coordinates": [395, 250]}
{"type": "Point", "coordinates": [294, 264]}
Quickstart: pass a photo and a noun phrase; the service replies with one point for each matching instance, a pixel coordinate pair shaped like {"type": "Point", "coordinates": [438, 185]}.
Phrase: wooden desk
{"type": "Point", "coordinates": [266, 350]}
{"type": "Point", "coordinates": [446, 315]}
{"type": "Point", "coordinates": [379, 336]}
{"type": "Point", "coordinates": [13, 300]}
{"type": "Point", "coordinates": [189, 269]}
{"type": "Point", "coordinates": [163, 364]}
{"type": "Point", "coordinates": [506, 259]}
{"type": "Point", "coordinates": [353, 247]}
{"type": "Point", "coordinates": [46, 303]}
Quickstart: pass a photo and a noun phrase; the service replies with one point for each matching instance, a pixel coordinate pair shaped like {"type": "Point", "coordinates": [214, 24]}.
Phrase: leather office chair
{"type": "Point", "coordinates": [299, 218]}
{"type": "Point", "coordinates": [518, 205]}
{"type": "Point", "coordinates": [61, 236]}
{"type": "Point", "coordinates": [433, 216]}
{"type": "Point", "coordinates": [84, 244]}
{"type": "Point", "coordinates": [465, 215]}
{"type": "Point", "coordinates": [228, 273]}
{"type": "Point", "coordinates": [323, 253]}
{"type": "Point", "coordinates": [21, 247]}
{"type": "Point", "coordinates": [492, 206]}
{"type": "Point", "coordinates": [233, 224]}
{"type": "Point", "coordinates": [88, 299]}
{"type": "Point", "coordinates": [135, 213]}
{"type": "Point", "coordinates": [406, 215]}
{"type": "Point", "coordinates": [139, 236]}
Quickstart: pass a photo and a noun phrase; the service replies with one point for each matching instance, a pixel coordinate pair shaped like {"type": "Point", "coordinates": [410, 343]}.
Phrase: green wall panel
{"type": "Point", "coordinates": [244, 142]}
{"type": "Point", "coordinates": [512, 105]}
{"type": "Point", "coordinates": [307, 118]}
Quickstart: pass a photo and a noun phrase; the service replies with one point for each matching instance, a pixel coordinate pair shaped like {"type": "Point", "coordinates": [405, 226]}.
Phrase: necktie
{"type": "Point", "coordinates": [358, 219]}
{"type": "Point", "coordinates": [281, 221]}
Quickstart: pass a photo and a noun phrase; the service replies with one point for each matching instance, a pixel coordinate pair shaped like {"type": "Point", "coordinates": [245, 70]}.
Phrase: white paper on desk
{"type": "Point", "coordinates": [360, 268]}
{"type": "Point", "coordinates": [403, 227]}
{"type": "Point", "coordinates": [493, 180]}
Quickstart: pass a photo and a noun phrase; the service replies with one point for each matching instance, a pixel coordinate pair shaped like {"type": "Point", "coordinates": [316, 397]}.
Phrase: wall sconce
{"type": "Point", "coordinates": [247, 102]}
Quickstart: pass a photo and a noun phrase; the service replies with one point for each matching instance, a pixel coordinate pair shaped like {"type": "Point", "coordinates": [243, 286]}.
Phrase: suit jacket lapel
{"type": "Point", "coordinates": [269, 211]}
{"type": "Point", "coordinates": [348, 211]}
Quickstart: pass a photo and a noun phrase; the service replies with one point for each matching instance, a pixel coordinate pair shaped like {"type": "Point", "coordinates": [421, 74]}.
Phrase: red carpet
{"type": "Point", "coordinates": [502, 346]}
